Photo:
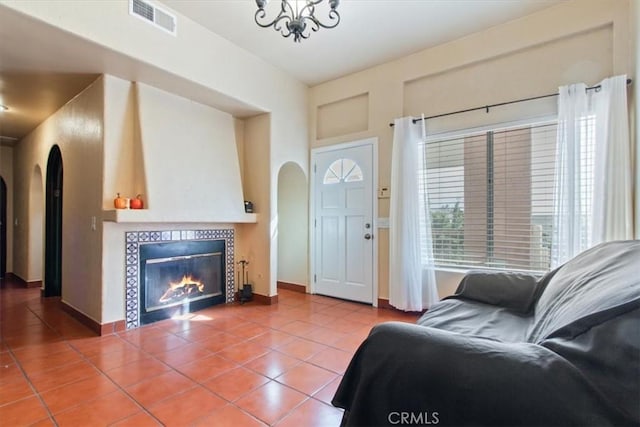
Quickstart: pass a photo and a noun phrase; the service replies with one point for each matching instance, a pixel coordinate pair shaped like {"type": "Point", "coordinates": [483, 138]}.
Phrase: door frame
{"type": "Point", "coordinates": [373, 142]}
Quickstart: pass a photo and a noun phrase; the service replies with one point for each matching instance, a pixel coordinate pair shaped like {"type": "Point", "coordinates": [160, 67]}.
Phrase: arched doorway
{"type": "Point", "coordinates": [3, 227]}
{"type": "Point", "coordinates": [53, 225]}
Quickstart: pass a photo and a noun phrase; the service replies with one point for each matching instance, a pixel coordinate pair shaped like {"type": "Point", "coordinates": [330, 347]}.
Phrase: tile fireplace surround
{"type": "Point", "coordinates": [133, 241]}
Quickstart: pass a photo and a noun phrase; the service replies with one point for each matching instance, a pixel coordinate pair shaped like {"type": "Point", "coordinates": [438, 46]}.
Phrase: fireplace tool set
{"type": "Point", "coordinates": [246, 293]}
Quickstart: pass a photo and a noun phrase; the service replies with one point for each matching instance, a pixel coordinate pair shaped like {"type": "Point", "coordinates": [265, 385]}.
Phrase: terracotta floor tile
{"type": "Point", "coordinates": [272, 339]}
{"type": "Point", "coordinates": [301, 349]}
{"type": "Point", "coordinates": [197, 333]}
{"type": "Point", "coordinates": [44, 363]}
{"type": "Point", "coordinates": [306, 378]}
{"type": "Point", "coordinates": [243, 352]}
{"type": "Point", "coordinates": [69, 395]}
{"type": "Point", "coordinates": [185, 408]}
{"type": "Point", "coordinates": [349, 344]}
{"type": "Point", "coordinates": [40, 350]}
{"type": "Point", "coordinates": [10, 373]}
{"type": "Point", "coordinates": [184, 355]}
{"type": "Point", "coordinates": [65, 374]}
{"type": "Point", "coordinates": [46, 422]}
{"type": "Point", "coordinates": [332, 359]}
{"type": "Point", "coordinates": [229, 416]}
{"type": "Point", "coordinates": [272, 364]}
{"type": "Point", "coordinates": [23, 412]}
{"type": "Point", "coordinates": [155, 389]}
{"type": "Point", "coordinates": [182, 371]}
{"type": "Point", "coordinates": [327, 392]}
{"type": "Point", "coordinates": [298, 328]}
{"type": "Point", "coordinates": [141, 419]}
{"type": "Point", "coordinates": [6, 358]}
{"type": "Point", "coordinates": [102, 345]}
{"type": "Point", "coordinates": [248, 330]}
{"type": "Point", "coordinates": [235, 383]}
{"type": "Point", "coordinates": [103, 410]}
{"type": "Point", "coordinates": [15, 390]}
{"type": "Point", "coordinates": [220, 341]}
{"type": "Point", "coordinates": [163, 343]}
{"type": "Point", "coordinates": [206, 368]}
{"type": "Point", "coordinates": [271, 401]}
{"type": "Point", "coordinates": [137, 371]}
{"type": "Point", "coordinates": [115, 359]}
{"type": "Point", "coordinates": [313, 413]}
{"type": "Point", "coordinates": [326, 336]}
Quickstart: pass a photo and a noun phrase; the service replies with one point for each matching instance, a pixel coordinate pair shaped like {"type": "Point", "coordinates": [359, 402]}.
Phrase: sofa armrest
{"type": "Point", "coordinates": [514, 291]}
{"type": "Point", "coordinates": [464, 380]}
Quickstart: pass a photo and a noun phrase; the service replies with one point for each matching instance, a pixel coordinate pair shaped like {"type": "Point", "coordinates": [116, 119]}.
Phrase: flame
{"type": "Point", "coordinates": [187, 280]}
{"type": "Point", "coordinates": [182, 288]}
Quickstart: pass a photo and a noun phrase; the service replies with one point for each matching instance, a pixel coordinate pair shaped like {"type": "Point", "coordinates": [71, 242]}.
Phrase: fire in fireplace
{"type": "Point", "coordinates": [180, 277]}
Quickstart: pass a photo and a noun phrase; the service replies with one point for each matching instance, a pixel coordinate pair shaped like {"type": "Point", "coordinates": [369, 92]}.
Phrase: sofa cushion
{"type": "Point", "coordinates": [597, 280]}
{"type": "Point", "coordinates": [469, 317]}
{"type": "Point", "coordinates": [514, 291]}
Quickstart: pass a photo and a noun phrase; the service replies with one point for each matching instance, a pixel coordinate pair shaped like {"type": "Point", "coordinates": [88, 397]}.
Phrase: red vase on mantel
{"type": "Point", "coordinates": [136, 203]}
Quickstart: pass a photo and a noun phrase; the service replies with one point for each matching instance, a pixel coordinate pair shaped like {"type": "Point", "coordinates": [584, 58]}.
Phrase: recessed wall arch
{"type": "Point", "coordinates": [36, 225]}
{"type": "Point", "coordinates": [293, 225]}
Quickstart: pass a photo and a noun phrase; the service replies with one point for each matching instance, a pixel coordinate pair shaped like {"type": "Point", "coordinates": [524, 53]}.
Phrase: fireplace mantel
{"type": "Point", "coordinates": [153, 216]}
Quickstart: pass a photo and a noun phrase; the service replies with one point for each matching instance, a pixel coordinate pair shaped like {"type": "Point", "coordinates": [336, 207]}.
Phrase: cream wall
{"type": "Point", "coordinates": [183, 157]}
{"type": "Point", "coordinates": [77, 128]}
{"type": "Point", "coordinates": [6, 171]}
{"type": "Point", "coordinates": [195, 62]}
{"type": "Point", "coordinates": [580, 40]}
{"type": "Point", "coordinates": [254, 239]}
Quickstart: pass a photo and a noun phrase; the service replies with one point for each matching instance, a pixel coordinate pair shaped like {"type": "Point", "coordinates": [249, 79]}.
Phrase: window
{"type": "Point", "coordinates": [342, 170]}
{"type": "Point", "coordinates": [490, 197]}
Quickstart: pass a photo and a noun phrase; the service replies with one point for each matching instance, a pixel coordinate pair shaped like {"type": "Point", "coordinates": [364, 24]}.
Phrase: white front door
{"type": "Point", "coordinates": [343, 227]}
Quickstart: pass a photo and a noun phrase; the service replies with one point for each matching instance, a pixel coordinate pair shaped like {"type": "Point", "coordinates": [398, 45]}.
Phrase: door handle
{"type": "Point", "coordinates": [368, 236]}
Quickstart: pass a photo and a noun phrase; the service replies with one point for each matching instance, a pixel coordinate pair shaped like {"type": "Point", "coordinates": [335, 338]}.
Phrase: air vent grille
{"type": "Point", "coordinates": [153, 15]}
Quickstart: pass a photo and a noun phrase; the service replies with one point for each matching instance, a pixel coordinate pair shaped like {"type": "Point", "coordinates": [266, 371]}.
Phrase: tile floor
{"type": "Point", "coordinates": [232, 365]}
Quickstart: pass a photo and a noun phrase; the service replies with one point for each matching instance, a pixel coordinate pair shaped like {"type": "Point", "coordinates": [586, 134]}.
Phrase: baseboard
{"type": "Point", "coordinates": [265, 300]}
{"type": "Point", "coordinates": [31, 284]}
{"type": "Point", "coordinates": [292, 287]}
{"type": "Point", "coordinates": [260, 299]}
{"type": "Point", "coordinates": [384, 303]}
{"type": "Point", "coordinates": [100, 329]}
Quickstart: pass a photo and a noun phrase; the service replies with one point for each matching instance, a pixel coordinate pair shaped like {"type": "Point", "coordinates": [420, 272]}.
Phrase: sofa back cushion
{"type": "Point", "coordinates": [599, 279]}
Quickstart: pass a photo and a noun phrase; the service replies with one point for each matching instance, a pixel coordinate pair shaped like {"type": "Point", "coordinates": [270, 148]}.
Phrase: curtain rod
{"type": "Point", "coordinates": [486, 107]}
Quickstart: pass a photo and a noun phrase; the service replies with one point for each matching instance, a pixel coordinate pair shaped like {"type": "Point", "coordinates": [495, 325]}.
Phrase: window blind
{"type": "Point", "coordinates": [490, 198]}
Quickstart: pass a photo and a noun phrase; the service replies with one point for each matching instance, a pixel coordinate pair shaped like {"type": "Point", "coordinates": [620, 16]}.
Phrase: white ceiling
{"type": "Point", "coordinates": [370, 32]}
{"type": "Point", "coordinates": [41, 67]}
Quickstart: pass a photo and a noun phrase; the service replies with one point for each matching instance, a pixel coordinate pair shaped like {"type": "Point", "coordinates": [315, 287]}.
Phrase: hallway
{"type": "Point", "coordinates": [233, 365]}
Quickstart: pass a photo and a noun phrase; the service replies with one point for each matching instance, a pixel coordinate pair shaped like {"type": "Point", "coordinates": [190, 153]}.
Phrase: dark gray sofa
{"type": "Point", "coordinates": [510, 349]}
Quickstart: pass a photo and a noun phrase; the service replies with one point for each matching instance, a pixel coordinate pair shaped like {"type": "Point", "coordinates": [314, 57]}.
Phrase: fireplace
{"type": "Point", "coordinates": [175, 272]}
{"type": "Point", "coordinates": [180, 277]}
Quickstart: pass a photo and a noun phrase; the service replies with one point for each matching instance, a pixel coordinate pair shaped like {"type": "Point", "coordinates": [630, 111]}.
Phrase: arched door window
{"type": "Point", "coordinates": [342, 170]}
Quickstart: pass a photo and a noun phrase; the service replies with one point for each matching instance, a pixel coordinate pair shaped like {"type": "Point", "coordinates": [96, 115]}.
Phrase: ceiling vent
{"type": "Point", "coordinates": [153, 15]}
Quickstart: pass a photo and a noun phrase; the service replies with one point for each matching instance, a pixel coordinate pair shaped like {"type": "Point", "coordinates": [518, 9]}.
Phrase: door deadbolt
{"type": "Point", "coordinates": [368, 236]}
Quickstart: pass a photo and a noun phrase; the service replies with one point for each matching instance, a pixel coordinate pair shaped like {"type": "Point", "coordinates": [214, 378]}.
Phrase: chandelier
{"type": "Point", "coordinates": [298, 19]}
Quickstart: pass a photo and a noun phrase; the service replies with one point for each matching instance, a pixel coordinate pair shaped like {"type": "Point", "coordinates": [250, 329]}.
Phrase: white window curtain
{"type": "Point", "coordinates": [412, 282]}
{"type": "Point", "coordinates": [593, 186]}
